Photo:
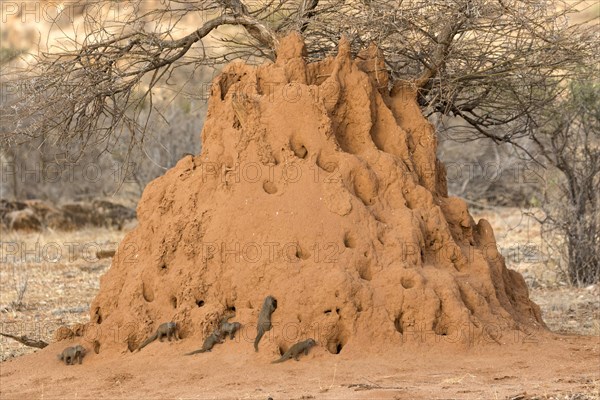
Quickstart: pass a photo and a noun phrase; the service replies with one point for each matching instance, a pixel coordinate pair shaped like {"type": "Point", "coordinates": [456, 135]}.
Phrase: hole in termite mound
{"type": "Point", "coordinates": [337, 337]}
{"type": "Point", "coordinates": [407, 282]}
{"type": "Point", "coordinates": [349, 240]}
{"type": "Point", "coordinates": [97, 316]}
{"type": "Point", "coordinates": [147, 292]}
{"type": "Point", "coordinates": [298, 148]}
{"type": "Point", "coordinates": [336, 344]}
{"type": "Point", "coordinates": [398, 324]}
{"type": "Point", "coordinates": [327, 164]}
{"type": "Point", "coordinates": [440, 324]}
{"type": "Point", "coordinates": [302, 253]}
{"type": "Point", "coordinates": [269, 187]}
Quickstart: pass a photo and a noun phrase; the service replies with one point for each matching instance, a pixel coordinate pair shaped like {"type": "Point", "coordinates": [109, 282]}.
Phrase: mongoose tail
{"type": "Point", "coordinates": [280, 360]}
{"type": "Point", "coordinates": [168, 329]}
{"type": "Point", "coordinates": [195, 352]}
{"type": "Point", "coordinates": [296, 350]}
{"type": "Point", "coordinates": [209, 343]}
{"type": "Point", "coordinates": [148, 341]}
{"type": "Point", "coordinates": [258, 337]}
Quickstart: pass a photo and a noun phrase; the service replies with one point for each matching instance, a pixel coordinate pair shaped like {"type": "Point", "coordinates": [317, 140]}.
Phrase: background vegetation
{"type": "Point", "coordinates": [116, 92]}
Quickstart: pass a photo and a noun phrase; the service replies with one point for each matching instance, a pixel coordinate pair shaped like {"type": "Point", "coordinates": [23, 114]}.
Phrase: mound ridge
{"type": "Point", "coordinates": [320, 186]}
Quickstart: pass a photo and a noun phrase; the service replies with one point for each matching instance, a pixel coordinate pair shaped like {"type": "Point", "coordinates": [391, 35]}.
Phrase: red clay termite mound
{"type": "Point", "coordinates": [318, 185]}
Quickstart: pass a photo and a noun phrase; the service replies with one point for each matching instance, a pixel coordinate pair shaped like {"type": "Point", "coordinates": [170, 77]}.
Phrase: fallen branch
{"type": "Point", "coordinates": [40, 344]}
{"type": "Point", "coordinates": [105, 253]}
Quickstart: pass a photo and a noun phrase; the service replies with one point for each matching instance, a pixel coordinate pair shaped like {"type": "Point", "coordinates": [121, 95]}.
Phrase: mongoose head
{"type": "Point", "coordinates": [311, 342]}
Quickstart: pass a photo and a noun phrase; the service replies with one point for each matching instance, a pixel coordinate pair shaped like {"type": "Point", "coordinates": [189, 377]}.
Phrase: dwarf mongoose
{"type": "Point", "coordinates": [168, 329]}
{"type": "Point", "coordinates": [70, 354]}
{"type": "Point", "coordinates": [229, 328]}
{"type": "Point", "coordinates": [264, 319]}
{"type": "Point", "coordinates": [209, 343]}
{"type": "Point", "coordinates": [296, 350]}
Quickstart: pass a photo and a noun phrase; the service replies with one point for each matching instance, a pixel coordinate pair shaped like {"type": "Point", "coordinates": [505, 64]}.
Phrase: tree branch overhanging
{"type": "Point", "coordinates": [101, 80]}
{"type": "Point", "coordinates": [496, 62]}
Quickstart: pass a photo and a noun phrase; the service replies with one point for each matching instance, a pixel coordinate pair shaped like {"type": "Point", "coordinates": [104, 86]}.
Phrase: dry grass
{"type": "Point", "coordinates": [63, 276]}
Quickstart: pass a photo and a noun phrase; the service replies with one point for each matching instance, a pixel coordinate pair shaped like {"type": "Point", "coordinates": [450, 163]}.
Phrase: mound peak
{"type": "Point", "coordinates": [320, 186]}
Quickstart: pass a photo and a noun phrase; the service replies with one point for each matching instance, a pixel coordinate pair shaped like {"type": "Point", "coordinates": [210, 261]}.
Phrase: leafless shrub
{"type": "Point", "coordinates": [20, 278]}
{"type": "Point", "coordinates": [492, 64]}
{"type": "Point", "coordinates": [483, 172]}
{"type": "Point", "coordinates": [569, 141]}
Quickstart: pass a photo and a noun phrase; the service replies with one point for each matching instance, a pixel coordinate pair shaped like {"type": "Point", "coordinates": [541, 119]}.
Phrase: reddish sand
{"type": "Point", "coordinates": [548, 366]}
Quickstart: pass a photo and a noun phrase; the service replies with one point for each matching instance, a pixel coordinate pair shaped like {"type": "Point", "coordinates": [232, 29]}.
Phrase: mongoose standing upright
{"type": "Point", "coordinates": [168, 329]}
{"type": "Point", "coordinates": [209, 343]}
{"type": "Point", "coordinates": [70, 354]}
{"type": "Point", "coordinates": [229, 328]}
{"type": "Point", "coordinates": [296, 350]}
{"type": "Point", "coordinates": [264, 319]}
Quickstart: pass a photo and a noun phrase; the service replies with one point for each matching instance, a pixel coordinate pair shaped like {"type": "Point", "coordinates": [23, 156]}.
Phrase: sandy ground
{"type": "Point", "coordinates": [59, 275]}
{"type": "Point", "coordinates": [564, 366]}
{"type": "Point", "coordinates": [554, 367]}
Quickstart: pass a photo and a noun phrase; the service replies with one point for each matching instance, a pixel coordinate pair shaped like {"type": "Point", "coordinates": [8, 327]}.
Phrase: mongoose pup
{"type": "Point", "coordinates": [70, 354]}
{"type": "Point", "coordinates": [296, 350]}
{"type": "Point", "coordinates": [264, 319]}
{"type": "Point", "coordinates": [168, 329]}
{"type": "Point", "coordinates": [209, 343]}
{"type": "Point", "coordinates": [229, 328]}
